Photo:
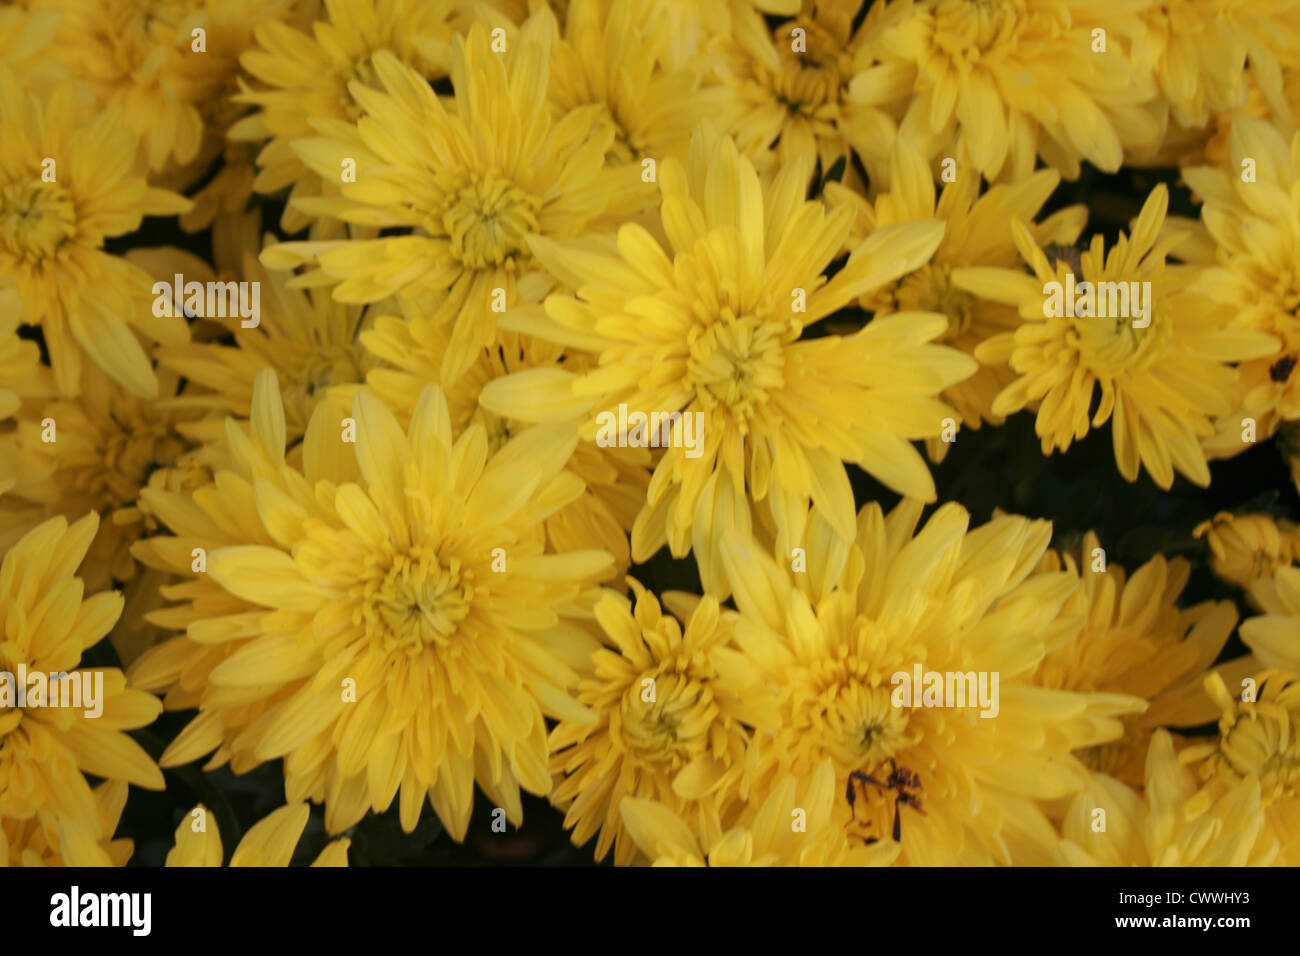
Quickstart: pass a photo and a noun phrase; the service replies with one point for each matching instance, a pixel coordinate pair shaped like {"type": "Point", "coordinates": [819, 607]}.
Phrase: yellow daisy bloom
{"type": "Point", "coordinates": [474, 185]}
{"type": "Point", "coordinates": [951, 785]}
{"type": "Point", "coordinates": [148, 62]}
{"type": "Point", "coordinates": [1003, 83]}
{"type": "Point", "coordinates": [1173, 823]}
{"type": "Point", "coordinates": [1256, 229]}
{"type": "Point", "coordinates": [676, 709]}
{"type": "Point", "coordinates": [310, 340]}
{"type": "Point", "coordinates": [1259, 740]}
{"type": "Point", "coordinates": [304, 77]}
{"type": "Point", "coordinates": [385, 619]}
{"type": "Point", "coordinates": [978, 233]}
{"type": "Point", "coordinates": [795, 826]}
{"type": "Point", "coordinates": [1246, 547]}
{"type": "Point", "coordinates": [613, 55]}
{"type": "Point", "coordinates": [223, 168]}
{"type": "Point", "coordinates": [616, 478]}
{"type": "Point", "coordinates": [268, 843]}
{"type": "Point", "coordinates": [1164, 383]}
{"type": "Point", "coordinates": [785, 84]}
{"type": "Point", "coordinates": [711, 329]}
{"type": "Point", "coordinates": [1136, 640]}
{"type": "Point", "coordinates": [1282, 111]}
{"type": "Point", "coordinates": [66, 184]}
{"type": "Point", "coordinates": [1197, 50]}
{"type": "Point", "coordinates": [47, 746]}
{"type": "Point", "coordinates": [91, 453]}
{"type": "Point", "coordinates": [1274, 636]}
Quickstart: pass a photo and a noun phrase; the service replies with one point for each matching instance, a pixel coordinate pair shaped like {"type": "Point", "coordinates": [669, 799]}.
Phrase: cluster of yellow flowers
{"type": "Point", "coordinates": [574, 283]}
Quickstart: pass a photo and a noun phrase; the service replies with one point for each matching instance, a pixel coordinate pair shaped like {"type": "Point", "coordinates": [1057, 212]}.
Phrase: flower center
{"type": "Point", "coordinates": [364, 71]}
{"type": "Point", "coordinates": [623, 149]}
{"type": "Point", "coordinates": [311, 374]}
{"type": "Point", "coordinates": [735, 363]}
{"type": "Point", "coordinates": [1263, 738]}
{"type": "Point", "coordinates": [1286, 286]}
{"type": "Point", "coordinates": [1111, 758]}
{"type": "Point", "coordinates": [488, 221]}
{"type": "Point", "coordinates": [864, 728]}
{"type": "Point", "coordinates": [929, 289]}
{"type": "Point", "coordinates": [811, 78]}
{"type": "Point", "coordinates": [128, 457]}
{"type": "Point", "coordinates": [672, 730]}
{"type": "Point", "coordinates": [418, 603]}
{"type": "Point", "coordinates": [36, 219]}
{"type": "Point", "coordinates": [1112, 345]}
{"type": "Point", "coordinates": [965, 30]}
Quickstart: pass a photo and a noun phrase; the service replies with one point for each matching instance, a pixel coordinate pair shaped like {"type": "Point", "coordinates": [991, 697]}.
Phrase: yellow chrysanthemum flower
{"type": "Point", "coordinates": [1259, 740]}
{"type": "Point", "coordinates": [223, 169]}
{"type": "Point", "coordinates": [308, 339]}
{"type": "Point", "coordinates": [952, 786]}
{"type": "Point", "coordinates": [1005, 82]}
{"type": "Point", "coordinates": [711, 329]}
{"type": "Point", "coordinates": [785, 84]}
{"type": "Point", "coordinates": [303, 78]}
{"type": "Point", "coordinates": [1173, 823]}
{"type": "Point", "coordinates": [1274, 636]}
{"type": "Point", "coordinates": [385, 619]}
{"type": "Point", "coordinates": [795, 826]}
{"type": "Point", "coordinates": [676, 710]}
{"type": "Point", "coordinates": [1252, 281]}
{"type": "Point", "coordinates": [1283, 112]}
{"type": "Point", "coordinates": [1163, 383]}
{"type": "Point", "coordinates": [46, 745]}
{"type": "Point", "coordinates": [613, 55]}
{"type": "Point", "coordinates": [268, 843]}
{"type": "Point", "coordinates": [91, 453]}
{"type": "Point", "coordinates": [159, 63]}
{"type": "Point", "coordinates": [978, 233]}
{"type": "Point", "coordinates": [1197, 50]}
{"type": "Point", "coordinates": [73, 842]}
{"type": "Point", "coordinates": [1136, 640]}
{"type": "Point", "coordinates": [66, 184]}
{"type": "Point", "coordinates": [616, 478]}
{"type": "Point", "coordinates": [1244, 548]}
{"type": "Point", "coordinates": [475, 184]}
